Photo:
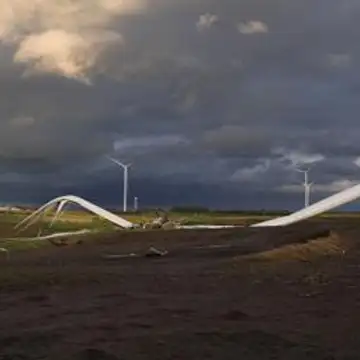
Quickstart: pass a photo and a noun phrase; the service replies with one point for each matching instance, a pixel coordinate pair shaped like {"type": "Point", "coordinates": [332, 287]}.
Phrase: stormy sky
{"type": "Point", "coordinates": [212, 102]}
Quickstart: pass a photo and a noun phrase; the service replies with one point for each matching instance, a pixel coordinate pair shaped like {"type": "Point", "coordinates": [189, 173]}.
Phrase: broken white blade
{"type": "Point", "coordinates": [341, 198]}
{"type": "Point", "coordinates": [32, 218]}
{"type": "Point", "coordinates": [95, 209]}
{"type": "Point", "coordinates": [59, 209]}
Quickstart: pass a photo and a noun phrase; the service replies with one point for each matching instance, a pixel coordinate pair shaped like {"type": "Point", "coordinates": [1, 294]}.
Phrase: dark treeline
{"type": "Point", "coordinates": [200, 210]}
{"type": "Point", "coordinates": [207, 211]}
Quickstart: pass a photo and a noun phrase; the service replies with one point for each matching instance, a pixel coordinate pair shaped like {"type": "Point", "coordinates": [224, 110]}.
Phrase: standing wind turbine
{"type": "Point", "coordinates": [126, 180]}
{"type": "Point", "coordinates": [307, 185]}
{"type": "Point", "coordinates": [136, 203]}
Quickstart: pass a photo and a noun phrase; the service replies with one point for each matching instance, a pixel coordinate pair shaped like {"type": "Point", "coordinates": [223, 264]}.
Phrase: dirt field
{"type": "Point", "coordinates": [291, 293]}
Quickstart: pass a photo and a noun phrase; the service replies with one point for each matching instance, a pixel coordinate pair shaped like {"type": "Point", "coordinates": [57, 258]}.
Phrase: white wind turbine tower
{"type": "Point", "coordinates": [126, 180]}
{"type": "Point", "coordinates": [136, 203]}
{"type": "Point", "coordinates": [307, 184]}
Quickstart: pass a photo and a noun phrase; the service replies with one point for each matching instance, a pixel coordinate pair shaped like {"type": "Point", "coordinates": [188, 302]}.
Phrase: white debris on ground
{"type": "Point", "coordinates": [208, 226]}
{"type": "Point", "coordinates": [152, 251]}
{"type": "Point", "coordinates": [52, 236]}
{"type": "Point", "coordinates": [6, 252]}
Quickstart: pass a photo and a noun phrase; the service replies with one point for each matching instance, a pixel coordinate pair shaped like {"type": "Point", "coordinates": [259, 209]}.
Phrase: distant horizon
{"type": "Point", "coordinates": [349, 208]}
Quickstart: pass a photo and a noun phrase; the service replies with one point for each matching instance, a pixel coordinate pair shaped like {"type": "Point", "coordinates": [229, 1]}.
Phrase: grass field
{"type": "Point", "coordinates": [15, 240]}
{"type": "Point", "coordinates": [190, 217]}
{"type": "Point", "coordinates": [76, 220]}
{"type": "Point", "coordinates": [79, 220]}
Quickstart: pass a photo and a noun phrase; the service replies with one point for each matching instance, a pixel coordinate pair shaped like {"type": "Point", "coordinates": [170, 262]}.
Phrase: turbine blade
{"type": "Point", "coordinates": [117, 162]}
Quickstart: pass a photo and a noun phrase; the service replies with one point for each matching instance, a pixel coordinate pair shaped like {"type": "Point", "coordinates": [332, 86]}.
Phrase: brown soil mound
{"type": "Point", "coordinates": [331, 245]}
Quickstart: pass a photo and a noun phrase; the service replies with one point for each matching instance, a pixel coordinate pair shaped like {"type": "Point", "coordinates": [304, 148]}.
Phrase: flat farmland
{"type": "Point", "coordinates": [281, 293]}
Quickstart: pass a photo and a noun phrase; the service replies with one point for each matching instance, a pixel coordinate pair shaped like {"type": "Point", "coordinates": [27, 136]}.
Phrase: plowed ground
{"type": "Point", "coordinates": [291, 293]}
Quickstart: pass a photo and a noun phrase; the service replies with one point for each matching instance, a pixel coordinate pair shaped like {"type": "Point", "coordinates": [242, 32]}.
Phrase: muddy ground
{"type": "Point", "coordinates": [291, 293]}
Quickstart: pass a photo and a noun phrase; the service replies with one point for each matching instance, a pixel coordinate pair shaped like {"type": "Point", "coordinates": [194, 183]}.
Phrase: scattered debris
{"type": "Point", "coordinates": [6, 252]}
{"type": "Point", "coordinates": [151, 252]}
{"type": "Point", "coordinates": [155, 252]}
{"type": "Point", "coordinates": [161, 222]}
{"type": "Point", "coordinates": [118, 256]}
{"type": "Point", "coordinates": [60, 242]}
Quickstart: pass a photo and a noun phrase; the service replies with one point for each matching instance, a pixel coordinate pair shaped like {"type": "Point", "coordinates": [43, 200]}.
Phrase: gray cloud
{"type": "Point", "coordinates": [206, 21]}
{"type": "Point", "coordinates": [238, 141]}
{"type": "Point", "coordinates": [63, 38]}
{"type": "Point", "coordinates": [211, 107]}
{"type": "Point", "coordinates": [253, 27]}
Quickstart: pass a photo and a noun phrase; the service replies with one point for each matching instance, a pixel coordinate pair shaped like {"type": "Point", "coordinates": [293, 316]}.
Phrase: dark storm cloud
{"type": "Point", "coordinates": [238, 141]}
{"type": "Point", "coordinates": [190, 92]}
